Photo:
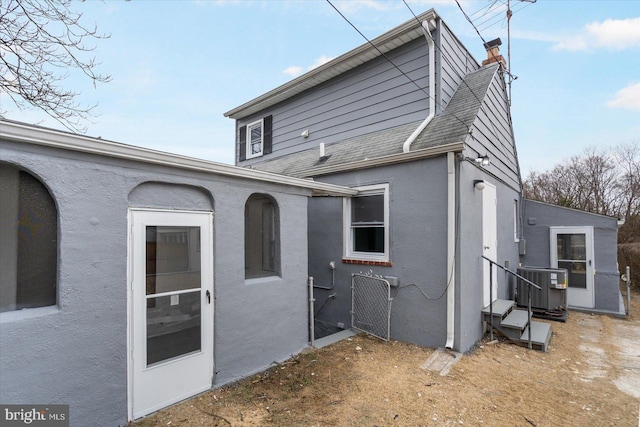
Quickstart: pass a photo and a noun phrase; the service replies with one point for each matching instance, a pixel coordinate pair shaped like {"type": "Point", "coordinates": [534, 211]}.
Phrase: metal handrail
{"type": "Point", "coordinates": [524, 279]}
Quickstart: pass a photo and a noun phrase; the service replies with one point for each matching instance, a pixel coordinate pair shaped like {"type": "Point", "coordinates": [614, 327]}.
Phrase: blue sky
{"type": "Point", "coordinates": [177, 66]}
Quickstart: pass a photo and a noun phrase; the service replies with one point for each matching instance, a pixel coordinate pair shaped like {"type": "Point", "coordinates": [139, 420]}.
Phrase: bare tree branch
{"type": "Point", "coordinates": [606, 183]}
{"type": "Point", "coordinates": [40, 41]}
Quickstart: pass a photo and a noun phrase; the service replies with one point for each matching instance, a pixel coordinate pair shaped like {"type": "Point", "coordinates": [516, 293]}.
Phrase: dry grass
{"type": "Point", "coordinates": [366, 382]}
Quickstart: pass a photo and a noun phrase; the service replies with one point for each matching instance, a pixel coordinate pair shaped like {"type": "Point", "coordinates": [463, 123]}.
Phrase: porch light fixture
{"type": "Point", "coordinates": [484, 160]}
{"type": "Point", "coordinates": [479, 184]}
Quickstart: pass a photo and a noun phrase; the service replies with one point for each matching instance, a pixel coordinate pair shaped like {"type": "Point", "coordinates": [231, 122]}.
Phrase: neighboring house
{"type": "Point", "coordinates": [125, 281]}
{"type": "Point", "coordinates": [424, 133]}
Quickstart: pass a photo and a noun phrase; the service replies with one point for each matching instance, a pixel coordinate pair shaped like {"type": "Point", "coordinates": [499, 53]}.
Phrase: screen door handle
{"type": "Point", "coordinates": [208, 296]}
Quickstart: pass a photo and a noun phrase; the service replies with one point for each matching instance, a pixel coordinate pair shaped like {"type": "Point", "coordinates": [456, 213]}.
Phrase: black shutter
{"type": "Point", "coordinates": [242, 144]}
{"type": "Point", "coordinates": [267, 126]}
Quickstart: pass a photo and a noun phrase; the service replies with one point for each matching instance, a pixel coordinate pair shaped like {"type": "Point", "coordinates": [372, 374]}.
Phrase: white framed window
{"type": "Point", "coordinates": [255, 139]}
{"type": "Point", "coordinates": [366, 224]}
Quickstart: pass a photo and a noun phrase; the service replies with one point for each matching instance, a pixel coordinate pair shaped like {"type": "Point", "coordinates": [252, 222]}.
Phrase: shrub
{"type": "Point", "coordinates": [629, 255]}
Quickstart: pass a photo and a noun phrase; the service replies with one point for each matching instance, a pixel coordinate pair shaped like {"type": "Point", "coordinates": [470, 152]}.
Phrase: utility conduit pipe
{"type": "Point", "coordinates": [332, 267]}
{"type": "Point", "coordinates": [426, 27]}
{"type": "Point", "coordinates": [311, 314]}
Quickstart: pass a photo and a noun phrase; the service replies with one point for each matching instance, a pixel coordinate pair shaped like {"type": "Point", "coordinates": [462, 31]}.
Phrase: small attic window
{"type": "Point", "coordinates": [254, 139]}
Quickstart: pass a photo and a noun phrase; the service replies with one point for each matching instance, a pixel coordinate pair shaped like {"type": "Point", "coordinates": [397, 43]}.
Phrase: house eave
{"type": "Point", "coordinates": [617, 219]}
{"type": "Point", "coordinates": [24, 133]}
{"type": "Point", "coordinates": [424, 153]}
{"type": "Point", "coordinates": [388, 41]}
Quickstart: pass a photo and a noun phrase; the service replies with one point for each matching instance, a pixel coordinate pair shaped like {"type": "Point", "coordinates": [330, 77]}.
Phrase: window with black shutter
{"type": "Point", "coordinates": [255, 139]}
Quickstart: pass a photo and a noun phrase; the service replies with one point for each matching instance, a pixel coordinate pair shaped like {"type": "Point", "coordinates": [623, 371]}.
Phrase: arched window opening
{"type": "Point", "coordinates": [261, 237]}
{"type": "Point", "coordinates": [29, 236]}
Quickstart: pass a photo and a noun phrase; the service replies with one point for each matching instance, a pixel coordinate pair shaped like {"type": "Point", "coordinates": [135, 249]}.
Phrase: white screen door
{"type": "Point", "coordinates": [171, 308]}
{"type": "Point", "coordinates": [572, 248]}
{"type": "Point", "coordinates": [489, 243]}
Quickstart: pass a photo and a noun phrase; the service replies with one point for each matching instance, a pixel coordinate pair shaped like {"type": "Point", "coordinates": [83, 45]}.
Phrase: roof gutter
{"type": "Point", "coordinates": [427, 27]}
{"type": "Point", "coordinates": [25, 133]}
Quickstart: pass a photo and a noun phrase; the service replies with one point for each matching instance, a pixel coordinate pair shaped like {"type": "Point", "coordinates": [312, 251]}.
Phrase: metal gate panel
{"type": "Point", "coordinates": [371, 305]}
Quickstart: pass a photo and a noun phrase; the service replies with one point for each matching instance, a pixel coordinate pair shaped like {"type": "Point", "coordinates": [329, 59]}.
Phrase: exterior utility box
{"type": "Point", "coordinates": [552, 296]}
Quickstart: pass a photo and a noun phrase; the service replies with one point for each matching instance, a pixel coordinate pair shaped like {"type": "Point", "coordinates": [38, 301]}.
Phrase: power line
{"type": "Point", "coordinates": [395, 66]}
{"type": "Point", "coordinates": [376, 48]}
{"type": "Point", "coordinates": [496, 17]}
{"type": "Point", "coordinates": [470, 21]}
{"type": "Point", "coordinates": [488, 7]}
{"type": "Point", "coordinates": [443, 56]}
{"type": "Point", "coordinates": [513, 12]}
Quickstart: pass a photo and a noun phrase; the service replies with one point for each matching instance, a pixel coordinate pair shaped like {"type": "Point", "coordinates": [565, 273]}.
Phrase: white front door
{"type": "Point", "coordinates": [572, 248]}
{"type": "Point", "coordinates": [489, 243]}
{"type": "Point", "coordinates": [171, 307]}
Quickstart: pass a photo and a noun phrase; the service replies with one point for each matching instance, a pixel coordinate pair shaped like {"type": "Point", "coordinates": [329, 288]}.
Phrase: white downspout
{"type": "Point", "coordinates": [406, 147]}
{"type": "Point", "coordinates": [451, 248]}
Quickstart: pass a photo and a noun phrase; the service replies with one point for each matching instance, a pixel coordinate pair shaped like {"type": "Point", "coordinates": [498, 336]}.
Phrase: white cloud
{"type": "Point", "coordinates": [296, 70]}
{"type": "Point", "coordinates": [319, 61]}
{"type": "Point", "coordinates": [293, 71]}
{"type": "Point", "coordinates": [612, 34]}
{"type": "Point", "coordinates": [628, 97]}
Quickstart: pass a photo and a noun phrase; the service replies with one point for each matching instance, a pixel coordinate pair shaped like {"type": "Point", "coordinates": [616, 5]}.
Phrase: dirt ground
{"type": "Point", "coordinates": [590, 376]}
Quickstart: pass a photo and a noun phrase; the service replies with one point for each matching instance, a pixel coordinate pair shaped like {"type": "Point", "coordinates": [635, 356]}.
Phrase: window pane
{"type": "Point", "coordinates": [368, 239]}
{"type": "Point", "coordinates": [173, 259]}
{"type": "Point", "coordinates": [255, 137]}
{"type": "Point", "coordinates": [261, 241]}
{"type": "Point", "coordinates": [28, 241]}
{"type": "Point", "coordinates": [173, 326]}
{"type": "Point", "coordinates": [268, 237]}
{"type": "Point", "coordinates": [37, 246]}
{"type": "Point", "coordinates": [577, 273]}
{"type": "Point", "coordinates": [572, 246]}
{"type": "Point", "coordinates": [368, 209]}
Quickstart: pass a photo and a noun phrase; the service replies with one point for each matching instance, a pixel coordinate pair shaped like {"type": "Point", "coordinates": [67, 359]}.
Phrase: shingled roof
{"type": "Point", "coordinates": [446, 132]}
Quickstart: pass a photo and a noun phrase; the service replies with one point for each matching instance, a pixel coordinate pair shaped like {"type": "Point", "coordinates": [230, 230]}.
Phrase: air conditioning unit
{"type": "Point", "coordinates": [553, 295]}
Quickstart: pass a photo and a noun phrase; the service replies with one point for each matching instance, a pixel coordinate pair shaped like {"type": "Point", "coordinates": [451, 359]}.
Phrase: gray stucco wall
{"type": "Point", "coordinates": [539, 217]}
{"type": "Point", "coordinates": [418, 217]}
{"type": "Point", "coordinates": [76, 352]}
{"type": "Point", "coordinates": [469, 249]}
{"type": "Point", "coordinates": [418, 242]}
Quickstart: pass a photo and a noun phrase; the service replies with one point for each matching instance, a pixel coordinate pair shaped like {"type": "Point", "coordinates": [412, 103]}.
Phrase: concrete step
{"type": "Point", "coordinates": [512, 323]}
{"type": "Point", "coordinates": [540, 335]}
{"type": "Point", "coordinates": [501, 308]}
{"type": "Point", "coordinates": [517, 319]}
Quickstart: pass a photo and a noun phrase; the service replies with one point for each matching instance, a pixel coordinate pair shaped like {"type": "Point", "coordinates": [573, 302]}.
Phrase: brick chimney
{"type": "Point", "coordinates": [493, 53]}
